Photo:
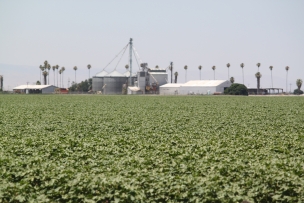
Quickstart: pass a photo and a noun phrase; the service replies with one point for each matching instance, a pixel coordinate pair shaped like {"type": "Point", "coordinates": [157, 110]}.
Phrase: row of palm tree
{"type": "Point", "coordinates": [45, 72]}
{"type": "Point", "coordinates": [242, 65]}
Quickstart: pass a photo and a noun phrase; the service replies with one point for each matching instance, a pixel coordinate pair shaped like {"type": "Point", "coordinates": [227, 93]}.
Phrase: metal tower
{"type": "Point", "coordinates": [131, 48]}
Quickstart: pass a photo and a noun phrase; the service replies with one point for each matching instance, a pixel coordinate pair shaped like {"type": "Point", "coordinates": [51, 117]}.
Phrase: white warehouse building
{"type": "Point", "coordinates": [195, 87]}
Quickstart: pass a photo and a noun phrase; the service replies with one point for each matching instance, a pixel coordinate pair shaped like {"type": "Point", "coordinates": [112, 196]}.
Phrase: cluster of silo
{"type": "Point", "coordinates": [145, 81]}
{"type": "Point", "coordinates": [111, 83]}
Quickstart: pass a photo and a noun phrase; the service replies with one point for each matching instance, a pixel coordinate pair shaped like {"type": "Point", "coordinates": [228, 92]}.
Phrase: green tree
{"type": "Point", "coordinates": [38, 82]}
{"type": "Point", "coordinates": [299, 83]}
{"type": "Point", "coordinates": [258, 75]}
{"type": "Point", "coordinates": [237, 89]}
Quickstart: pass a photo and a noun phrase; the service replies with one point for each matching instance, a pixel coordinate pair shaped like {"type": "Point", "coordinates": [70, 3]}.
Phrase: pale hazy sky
{"type": "Point", "coordinates": [188, 32]}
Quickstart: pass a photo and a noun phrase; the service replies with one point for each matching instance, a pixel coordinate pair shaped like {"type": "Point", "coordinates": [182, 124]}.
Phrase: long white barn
{"type": "Point", "coordinates": [195, 87]}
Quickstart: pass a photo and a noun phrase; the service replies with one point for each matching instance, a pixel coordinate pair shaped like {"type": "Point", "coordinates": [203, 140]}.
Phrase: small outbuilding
{"type": "Point", "coordinates": [35, 89]}
{"type": "Point", "coordinates": [195, 87]}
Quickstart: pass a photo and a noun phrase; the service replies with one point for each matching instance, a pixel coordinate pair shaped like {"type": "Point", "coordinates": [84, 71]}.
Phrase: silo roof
{"type": "Point", "coordinates": [102, 73]}
{"type": "Point", "coordinates": [115, 73]}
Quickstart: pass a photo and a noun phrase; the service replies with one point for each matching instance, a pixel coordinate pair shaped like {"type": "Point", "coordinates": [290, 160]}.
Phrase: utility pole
{"type": "Point", "coordinates": [171, 65]}
{"type": "Point", "coordinates": [131, 44]}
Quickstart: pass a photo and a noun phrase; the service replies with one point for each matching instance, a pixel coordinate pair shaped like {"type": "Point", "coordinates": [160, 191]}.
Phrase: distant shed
{"type": "Point", "coordinates": [35, 89]}
{"type": "Point", "coordinates": [195, 87]}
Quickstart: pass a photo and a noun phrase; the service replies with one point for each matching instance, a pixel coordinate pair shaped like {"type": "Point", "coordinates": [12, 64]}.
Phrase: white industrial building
{"type": "Point", "coordinates": [195, 87]}
{"type": "Point", "coordinates": [35, 89]}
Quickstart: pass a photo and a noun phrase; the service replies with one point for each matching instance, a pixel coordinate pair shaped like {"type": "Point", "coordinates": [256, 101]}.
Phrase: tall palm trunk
{"type": "Point", "coordinates": [213, 74]}
{"type": "Point", "coordinates": [258, 85]}
{"type": "Point", "coordinates": [286, 82]}
{"type": "Point", "coordinates": [200, 74]}
{"type": "Point", "coordinates": [243, 75]}
{"type": "Point", "coordinates": [57, 77]}
{"type": "Point", "coordinates": [271, 80]}
{"type": "Point", "coordinates": [75, 76]}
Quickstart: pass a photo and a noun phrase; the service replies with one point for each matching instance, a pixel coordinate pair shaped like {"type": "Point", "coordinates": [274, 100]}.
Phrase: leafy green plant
{"type": "Point", "coordinates": [69, 148]}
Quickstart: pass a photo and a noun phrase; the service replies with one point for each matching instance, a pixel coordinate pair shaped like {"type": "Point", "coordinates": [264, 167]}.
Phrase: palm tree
{"type": "Point", "coordinates": [186, 67]}
{"type": "Point", "coordinates": [62, 70]}
{"type": "Point", "coordinates": [242, 66]}
{"type": "Point", "coordinates": [299, 83]}
{"type": "Point", "coordinates": [258, 75]}
{"type": "Point", "coordinates": [200, 69]}
{"type": "Point", "coordinates": [45, 74]}
{"type": "Point", "coordinates": [127, 67]}
{"type": "Point", "coordinates": [213, 68]}
{"type": "Point", "coordinates": [49, 68]}
{"type": "Point", "coordinates": [54, 67]}
{"type": "Point", "coordinates": [41, 69]}
{"type": "Point", "coordinates": [232, 80]}
{"type": "Point", "coordinates": [271, 67]}
{"type": "Point", "coordinates": [75, 68]}
{"type": "Point", "coordinates": [228, 66]}
{"type": "Point", "coordinates": [286, 68]}
{"type": "Point", "coordinates": [89, 67]}
{"type": "Point", "coordinates": [45, 64]}
{"type": "Point", "coordinates": [258, 65]}
{"type": "Point", "coordinates": [171, 70]}
{"type": "Point", "coordinates": [175, 74]}
{"type": "Point", "coordinates": [156, 67]}
{"type": "Point", "coordinates": [57, 67]}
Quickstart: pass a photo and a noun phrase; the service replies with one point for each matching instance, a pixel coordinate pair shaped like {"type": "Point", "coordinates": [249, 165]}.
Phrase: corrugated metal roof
{"type": "Point", "coordinates": [172, 85]}
{"type": "Point", "coordinates": [102, 73]}
{"type": "Point", "coordinates": [36, 87]}
{"type": "Point", "coordinates": [115, 74]}
{"type": "Point", "coordinates": [205, 83]}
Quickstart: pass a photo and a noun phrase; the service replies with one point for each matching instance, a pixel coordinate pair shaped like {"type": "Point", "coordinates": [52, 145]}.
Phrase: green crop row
{"type": "Point", "coordinates": [65, 148]}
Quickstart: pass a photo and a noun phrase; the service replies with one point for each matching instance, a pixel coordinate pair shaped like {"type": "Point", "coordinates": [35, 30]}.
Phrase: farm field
{"type": "Point", "coordinates": [67, 148]}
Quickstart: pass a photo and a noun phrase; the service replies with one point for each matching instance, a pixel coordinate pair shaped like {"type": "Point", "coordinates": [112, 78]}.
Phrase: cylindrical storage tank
{"type": "Point", "coordinates": [113, 85]}
{"type": "Point", "coordinates": [97, 81]}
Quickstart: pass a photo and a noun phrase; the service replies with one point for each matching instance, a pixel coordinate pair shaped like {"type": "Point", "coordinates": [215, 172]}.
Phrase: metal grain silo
{"type": "Point", "coordinates": [98, 81]}
{"type": "Point", "coordinates": [113, 82]}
